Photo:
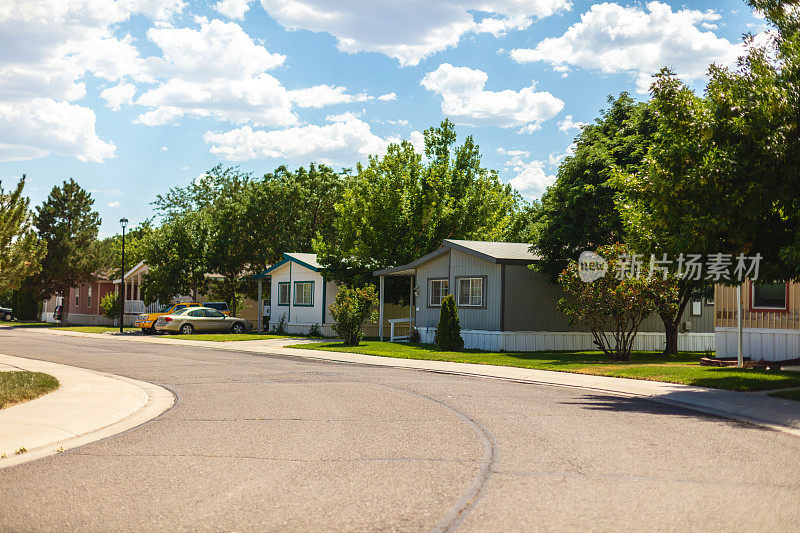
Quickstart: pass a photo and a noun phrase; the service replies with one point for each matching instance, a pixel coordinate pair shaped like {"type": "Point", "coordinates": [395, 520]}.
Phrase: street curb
{"type": "Point", "coordinates": [408, 364]}
{"type": "Point", "coordinates": [158, 401]}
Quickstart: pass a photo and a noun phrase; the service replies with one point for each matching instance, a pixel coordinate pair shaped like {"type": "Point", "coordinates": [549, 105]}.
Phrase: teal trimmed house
{"type": "Point", "coordinates": [295, 289]}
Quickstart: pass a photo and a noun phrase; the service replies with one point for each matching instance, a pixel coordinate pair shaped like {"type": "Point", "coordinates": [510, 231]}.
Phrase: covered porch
{"type": "Point", "coordinates": [398, 328]}
{"type": "Point", "coordinates": [131, 286]}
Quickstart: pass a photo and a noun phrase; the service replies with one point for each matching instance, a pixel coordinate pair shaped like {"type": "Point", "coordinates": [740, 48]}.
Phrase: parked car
{"type": "Point", "coordinates": [222, 307]}
{"type": "Point", "coordinates": [147, 321]}
{"type": "Point", "coordinates": [202, 320]}
{"type": "Point", "coordinates": [6, 314]}
{"type": "Point", "coordinates": [57, 313]}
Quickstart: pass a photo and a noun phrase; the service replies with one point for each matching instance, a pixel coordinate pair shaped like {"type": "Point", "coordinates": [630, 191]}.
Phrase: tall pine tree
{"type": "Point", "coordinates": [68, 225]}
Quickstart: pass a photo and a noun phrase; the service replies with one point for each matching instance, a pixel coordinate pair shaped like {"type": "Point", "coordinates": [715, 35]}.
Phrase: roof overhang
{"type": "Point", "coordinates": [410, 269]}
{"type": "Point", "coordinates": [287, 258]}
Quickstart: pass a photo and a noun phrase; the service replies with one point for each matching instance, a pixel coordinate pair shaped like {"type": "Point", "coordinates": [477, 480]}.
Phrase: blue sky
{"type": "Point", "coordinates": [135, 96]}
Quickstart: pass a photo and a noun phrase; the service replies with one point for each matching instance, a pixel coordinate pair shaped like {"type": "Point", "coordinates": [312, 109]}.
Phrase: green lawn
{"type": "Point", "coordinates": [17, 387]}
{"type": "Point", "coordinates": [226, 337]}
{"type": "Point", "coordinates": [682, 368]}
{"type": "Point", "coordinates": [788, 395]}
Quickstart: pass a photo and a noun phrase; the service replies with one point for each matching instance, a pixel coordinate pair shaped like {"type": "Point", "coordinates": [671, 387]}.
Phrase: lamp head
{"type": "Point", "coordinates": [123, 222]}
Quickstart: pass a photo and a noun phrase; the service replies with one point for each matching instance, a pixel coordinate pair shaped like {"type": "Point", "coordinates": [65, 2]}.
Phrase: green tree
{"type": "Point", "coordinates": [177, 257]}
{"type": "Point", "coordinates": [68, 225]}
{"type": "Point", "coordinates": [350, 309]}
{"type": "Point", "coordinates": [21, 251]}
{"type": "Point", "coordinates": [109, 304]}
{"type": "Point", "coordinates": [399, 207]}
{"type": "Point", "coordinates": [110, 248]}
{"type": "Point", "coordinates": [448, 332]}
{"type": "Point", "coordinates": [251, 222]}
{"type": "Point", "coordinates": [721, 176]}
{"type": "Point", "coordinates": [613, 307]}
{"type": "Point", "coordinates": [578, 212]}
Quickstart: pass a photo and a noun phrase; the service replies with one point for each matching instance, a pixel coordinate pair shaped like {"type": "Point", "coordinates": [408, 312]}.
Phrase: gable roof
{"type": "Point", "coordinates": [509, 253]}
{"type": "Point", "coordinates": [139, 266]}
{"type": "Point", "coordinates": [307, 260]}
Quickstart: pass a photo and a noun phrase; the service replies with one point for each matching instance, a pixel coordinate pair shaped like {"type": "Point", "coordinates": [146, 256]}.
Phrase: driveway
{"type": "Point", "coordinates": [279, 443]}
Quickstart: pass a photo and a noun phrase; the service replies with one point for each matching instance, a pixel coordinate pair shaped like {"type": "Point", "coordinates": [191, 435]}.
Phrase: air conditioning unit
{"type": "Point", "coordinates": [686, 326]}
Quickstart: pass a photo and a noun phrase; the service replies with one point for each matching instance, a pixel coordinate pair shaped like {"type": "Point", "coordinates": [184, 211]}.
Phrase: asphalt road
{"type": "Point", "coordinates": [274, 443]}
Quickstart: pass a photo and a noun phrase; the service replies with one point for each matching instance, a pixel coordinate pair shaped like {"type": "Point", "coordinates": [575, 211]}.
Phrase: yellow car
{"type": "Point", "coordinates": [147, 321]}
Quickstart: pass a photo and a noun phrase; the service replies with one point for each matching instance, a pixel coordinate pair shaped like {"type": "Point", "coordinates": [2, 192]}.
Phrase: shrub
{"type": "Point", "coordinates": [110, 305]}
{"type": "Point", "coordinates": [350, 309]}
{"type": "Point", "coordinates": [448, 334]}
{"type": "Point", "coordinates": [414, 336]}
{"type": "Point", "coordinates": [313, 331]}
{"type": "Point", "coordinates": [611, 307]}
{"type": "Point", "coordinates": [280, 327]}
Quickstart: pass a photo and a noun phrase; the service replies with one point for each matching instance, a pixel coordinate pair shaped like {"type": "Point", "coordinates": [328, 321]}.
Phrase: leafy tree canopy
{"type": "Point", "coordinates": [578, 212]}
{"type": "Point", "coordinates": [21, 251]}
{"type": "Point", "coordinates": [400, 206]}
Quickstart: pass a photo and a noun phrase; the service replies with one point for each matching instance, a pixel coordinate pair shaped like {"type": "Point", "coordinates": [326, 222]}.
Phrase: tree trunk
{"type": "Point", "coordinates": [671, 330]}
{"type": "Point", "coordinates": [65, 307]}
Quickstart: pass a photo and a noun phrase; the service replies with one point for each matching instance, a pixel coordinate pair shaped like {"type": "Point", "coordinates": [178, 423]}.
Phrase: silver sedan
{"type": "Point", "coordinates": [202, 320]}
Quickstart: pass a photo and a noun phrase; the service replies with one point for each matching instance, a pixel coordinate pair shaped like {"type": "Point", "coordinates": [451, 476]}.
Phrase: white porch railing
{"type": "Point", "coordinates": [392, 322]}
{"type": "Point", "coordinates": [134, 307]}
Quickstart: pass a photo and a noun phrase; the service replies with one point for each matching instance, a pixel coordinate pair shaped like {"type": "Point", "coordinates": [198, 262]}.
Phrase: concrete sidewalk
{"type": "Point", "coordinates": [86, 407]}
{"type": "Point", "coordinates": [775, 413]}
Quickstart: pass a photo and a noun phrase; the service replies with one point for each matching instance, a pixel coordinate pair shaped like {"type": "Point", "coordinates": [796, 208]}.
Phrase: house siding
{"type": "Point", "coordinates": [531, 304]}
{"type": "Point", "coordinates": [453, 265]}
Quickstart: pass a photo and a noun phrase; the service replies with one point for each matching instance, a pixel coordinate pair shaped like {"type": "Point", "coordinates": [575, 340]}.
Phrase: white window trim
{"type": "Point", "coordinates": [430, 291]}
{"type": "Point", "coordinates": [281, 285]}
{"type": "Point", "coordinates": [483, 291]}
{"type": "Point", "coordinates": [762, 308]}
{"type": "Point", "coordinates": [298, 291]}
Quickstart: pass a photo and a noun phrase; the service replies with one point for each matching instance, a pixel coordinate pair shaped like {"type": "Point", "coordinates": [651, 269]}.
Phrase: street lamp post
{"type": "Point", "coordinates": [123, 222]}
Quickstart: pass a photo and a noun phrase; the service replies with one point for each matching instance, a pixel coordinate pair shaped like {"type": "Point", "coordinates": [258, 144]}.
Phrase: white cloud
{"type": "Point", "coordinates": [513, 153]}
{"type": "Point", "coordinates": [530, 179]}
{"type": "Point", "coordinates": [388, 97]}
{"type": "Point", "coordinates": [118, 95]}
{"type": "Point", "coordinates": [417, 140]}
{"type": "Point", "coordinates": [613, 39]}
{"type": "Point", "coordinates": [465, 99]}
{"type": "Point", "coordinates": [47, 50]}
{"type": "Point", "coordinates": [555, 159]}
{"type": "Point", "coordinates": [568, 124]}
{"type": "Point", "coordinates": [324, 95]}
{"type": "Point", "coordinates": [230, 83]}
{"type": "Point", "coordinates": [407, 30]}
{"type": "Point", "coordinates": [114, 204]}
{"type": "Point", "coordinates": [398, 122]}
{"type": "Point", "coordinates": [344, 139]}
{"type": "Point", "coordinates": [164, 149]}
{"type": "Point", "coordinates": [37, 127]}
{"type": "Point", "coordinates": [233, 9]}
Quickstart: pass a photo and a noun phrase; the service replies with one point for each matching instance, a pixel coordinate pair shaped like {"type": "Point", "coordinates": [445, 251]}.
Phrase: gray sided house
{"type": "Point", "coordinates": [505, 305]}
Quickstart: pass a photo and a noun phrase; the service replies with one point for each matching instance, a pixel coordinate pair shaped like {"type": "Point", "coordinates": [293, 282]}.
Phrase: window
{"type": "Point", "coordinates": [197, 313]}
{"type": "Point", "coordinates": [710, 301]}
{"type": "Point", "coordinates": [304, 293]}
{"type": "Point", "coordinates": [77, 296]}
{"type": "Point", "coordinates": [697, 308]}
{"type": "Point", "coordinates": [769, 296]}
{"type": "Point", "coordinates": [213, 313]}
{"type": "Point", "coordinates": [283, 293]}
{"type": "Point", "coordinates": [470, 292]}
{"type": "Point", "coordinates": [438, 289]}
{"type": "Point", "coordinates": [89, 297]}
